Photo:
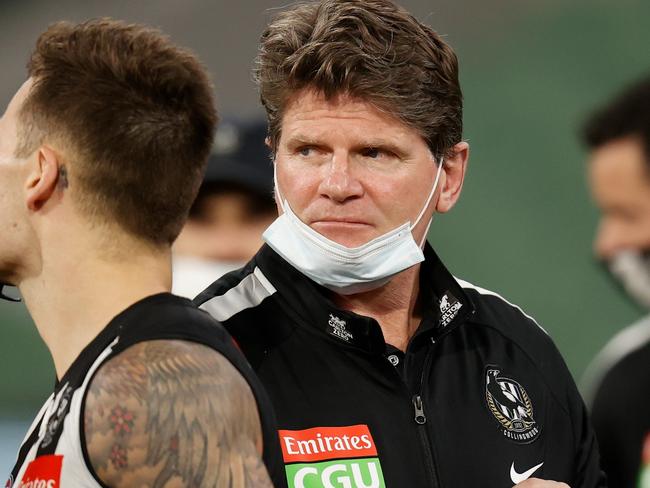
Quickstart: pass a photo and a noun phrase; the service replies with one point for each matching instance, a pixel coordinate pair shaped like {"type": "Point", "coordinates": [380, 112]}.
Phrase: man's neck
{"type": "Point", "coordinates": [74, 298]}
{"type": "Point", "coordinates": [394, 306]}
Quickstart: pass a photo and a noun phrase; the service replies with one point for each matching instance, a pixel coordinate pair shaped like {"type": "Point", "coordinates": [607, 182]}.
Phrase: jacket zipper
{"type": "Point", "coordinates": [420, 419]}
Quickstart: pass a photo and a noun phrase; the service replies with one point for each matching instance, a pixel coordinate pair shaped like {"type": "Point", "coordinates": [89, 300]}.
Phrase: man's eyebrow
{"type": "Point", "coordinates": [383, 144]}
{"type": "Point", "coordinates": [375, 142]}
{"type": "Point", "coordinates": [299, 139]}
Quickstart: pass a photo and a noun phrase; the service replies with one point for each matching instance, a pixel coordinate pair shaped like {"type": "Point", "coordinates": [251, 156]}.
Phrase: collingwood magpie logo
{"type": "Point", "coordinates": [58, 417]}
{"type": "Point", "coordinates": [337, 328]}
{"type": "Point", "coordinates": [508, 401]}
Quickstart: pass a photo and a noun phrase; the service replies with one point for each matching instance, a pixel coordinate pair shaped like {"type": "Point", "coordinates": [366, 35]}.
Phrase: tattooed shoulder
{"type": "Point", "coordinates": [173, 413]}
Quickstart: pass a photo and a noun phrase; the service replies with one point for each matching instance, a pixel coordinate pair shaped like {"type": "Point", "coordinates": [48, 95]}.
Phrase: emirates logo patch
{"type": "Point", "coordinates": [43, 472]}
{"type": "Point", "coordinates": [320, 457]}
{"type": "Point", "coordinates": [511, 406]}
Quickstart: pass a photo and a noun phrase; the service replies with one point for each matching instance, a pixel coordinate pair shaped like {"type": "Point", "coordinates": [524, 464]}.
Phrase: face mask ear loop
{"type": "Point", "coordinates": [426, 233]}
{"type": "Point", "coordinates": [433, 190]}
{"type": "Point", "coordinates": [277, 188]}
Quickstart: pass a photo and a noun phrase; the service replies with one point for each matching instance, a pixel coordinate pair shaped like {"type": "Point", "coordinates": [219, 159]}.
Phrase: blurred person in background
{"type": "Point", "coordinates": [102, 151]}
{"type": "Point", "coordinates": [383, 368]}
{"type": "Point", "coordinates": [617, 384]}
{"type": "Point", "coordinates": [234, 205]}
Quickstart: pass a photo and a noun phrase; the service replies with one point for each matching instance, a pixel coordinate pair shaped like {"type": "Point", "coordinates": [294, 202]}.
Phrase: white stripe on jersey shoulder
{"type": "Point", "coordinates": [483, 291]}
{"type": "Point", "coordinates": [624, 343]}
{"type": "Point", "coordinates": [249, 293]}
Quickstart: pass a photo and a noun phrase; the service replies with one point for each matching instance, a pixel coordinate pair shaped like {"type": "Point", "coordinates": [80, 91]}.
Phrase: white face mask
{"type": "Point", "coordinates": [632, 269]}
{"type": "Point", "coordinates": [192, 275]}
{"type": "Point", "coordinates": [346, 270]}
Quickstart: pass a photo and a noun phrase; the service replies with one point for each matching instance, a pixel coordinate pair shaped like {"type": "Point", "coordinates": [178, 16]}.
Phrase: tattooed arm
{"type": "Point", "coordinates": [173, 413]}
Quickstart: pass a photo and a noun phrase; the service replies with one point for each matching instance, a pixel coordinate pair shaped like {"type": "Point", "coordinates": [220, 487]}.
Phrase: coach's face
{"type": "Point", "coordinates": [619, 178]}
{"type": "Point", "coordinates": [352, 172]}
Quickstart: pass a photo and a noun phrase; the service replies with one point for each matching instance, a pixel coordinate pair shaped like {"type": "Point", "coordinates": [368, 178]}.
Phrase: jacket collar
{"type": "Point", "coordinates": [445, 305]}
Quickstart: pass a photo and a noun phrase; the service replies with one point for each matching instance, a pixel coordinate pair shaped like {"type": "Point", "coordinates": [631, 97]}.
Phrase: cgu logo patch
{"type": "Point", "coordinates": [331, 457]}
{"type": "Point", "coordinates": [43, 472]}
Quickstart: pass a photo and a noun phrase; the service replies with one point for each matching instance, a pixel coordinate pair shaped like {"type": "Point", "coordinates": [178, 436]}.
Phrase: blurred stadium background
{"type": "Point", "coordinates": [530, 72]}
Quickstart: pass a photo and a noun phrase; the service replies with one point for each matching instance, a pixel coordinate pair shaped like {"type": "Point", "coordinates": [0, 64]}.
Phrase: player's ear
{"type": "Point", "coordinates": [47, 175]}
{"type": "Point", "coordinates": [454, 175]}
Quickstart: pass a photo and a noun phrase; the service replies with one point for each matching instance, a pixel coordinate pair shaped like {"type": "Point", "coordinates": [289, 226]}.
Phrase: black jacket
{"type": "Point", "coordinates": [618, 386]}
{"type": "Point", "coordinates": [480, 396]}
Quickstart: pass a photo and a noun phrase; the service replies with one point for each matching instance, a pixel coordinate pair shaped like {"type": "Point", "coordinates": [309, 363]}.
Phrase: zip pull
{"type": "Point", "coordinates": [420, 418]}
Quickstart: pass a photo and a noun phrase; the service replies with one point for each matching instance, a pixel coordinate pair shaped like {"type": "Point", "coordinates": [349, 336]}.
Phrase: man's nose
{"type": "Point", "coordinates": [340, 183]}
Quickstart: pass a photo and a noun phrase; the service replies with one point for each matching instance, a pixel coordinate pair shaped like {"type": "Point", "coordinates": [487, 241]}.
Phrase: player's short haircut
{"type": "Point", "coordinates": [135, 115]}
{"type": "Point", "coordinates": [628, 115]}
{"type": "Point", "coordinates": [373, 50]}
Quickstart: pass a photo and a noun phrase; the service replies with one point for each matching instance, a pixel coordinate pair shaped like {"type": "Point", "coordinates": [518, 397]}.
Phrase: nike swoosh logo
{"type": "Point", "coordinates": [519, 477]}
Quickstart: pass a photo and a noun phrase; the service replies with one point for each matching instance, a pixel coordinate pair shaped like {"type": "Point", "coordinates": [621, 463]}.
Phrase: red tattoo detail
{"type": "Point", "coordinates": [173, 443]}
{"type": "Point", "coordinates": [118, 457]}
{"type": "Point", "coordinates": [121, 421]}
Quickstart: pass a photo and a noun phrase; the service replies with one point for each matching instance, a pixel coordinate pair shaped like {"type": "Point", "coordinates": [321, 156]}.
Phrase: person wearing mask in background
{"type": "Point", "coordinates": [383, 368]}
{"type": "Point", "coordinates": [617, 383]}
{"type": "Point", "coordinates": [234, 206]}
{"type": "Point", "coordinates": [102, 151]}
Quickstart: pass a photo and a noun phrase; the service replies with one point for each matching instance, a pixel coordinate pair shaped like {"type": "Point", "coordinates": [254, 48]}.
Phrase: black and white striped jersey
{"type": "Point", "coordinates": [54, 454]}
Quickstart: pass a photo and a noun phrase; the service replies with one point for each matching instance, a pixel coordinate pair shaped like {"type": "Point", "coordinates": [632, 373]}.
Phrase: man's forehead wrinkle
{"type": "Point", "coordinates": [306, 101]}
{"type": "Point", "coordinates": [321, 135]}
{"type": "Point", "coordinates": [306, 125]}
{"type": "Point", "coordinates": [311, 113]}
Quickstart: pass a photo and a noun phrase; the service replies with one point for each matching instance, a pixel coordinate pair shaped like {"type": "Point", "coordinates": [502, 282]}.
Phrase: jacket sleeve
{"type": "Point", "coordinates": [588, 472]}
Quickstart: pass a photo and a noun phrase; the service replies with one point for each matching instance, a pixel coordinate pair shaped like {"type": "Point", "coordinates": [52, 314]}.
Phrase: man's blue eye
{"type": "Point", "coordinates": [371, 152]}
{"type": "Point", "coordinates": [304, 151]}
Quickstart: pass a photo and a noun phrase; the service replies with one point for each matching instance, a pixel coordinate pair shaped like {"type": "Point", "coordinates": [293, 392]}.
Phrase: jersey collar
{"type": "Point", "coordinates": [136, 315]}
{"type": "Point", "coordinates": [445, 304]}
